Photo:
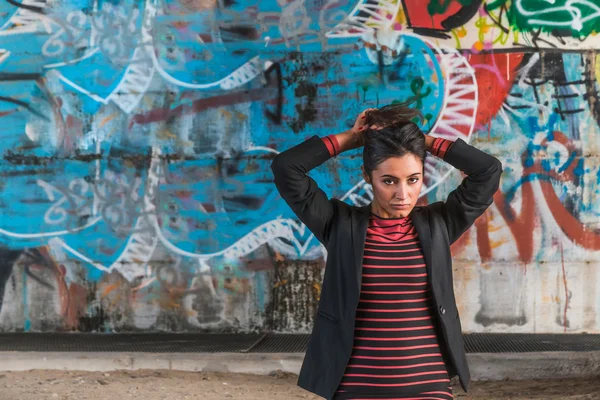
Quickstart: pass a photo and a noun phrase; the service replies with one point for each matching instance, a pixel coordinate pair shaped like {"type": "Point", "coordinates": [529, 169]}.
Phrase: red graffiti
{"type": "Point", "coordinates": [495, 75]}
{"type": "Point", "coordinates": [522, 225]}
{"type": "Point", "coordinates": [196, 106]}
{"type": "Point", "coordinates": [419, 16]}
{"type": "Point", "coordinates": [433, 17]}
{"type": "Point", "coordinates": [72, 297]}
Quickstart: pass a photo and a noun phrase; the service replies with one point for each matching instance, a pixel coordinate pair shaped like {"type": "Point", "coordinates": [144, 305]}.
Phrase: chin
{"type": "Point", "coordinates": [399, 213]}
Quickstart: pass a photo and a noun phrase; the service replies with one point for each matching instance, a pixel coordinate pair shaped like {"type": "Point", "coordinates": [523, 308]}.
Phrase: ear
{"type": "Point", "coordinates": [365, 175]}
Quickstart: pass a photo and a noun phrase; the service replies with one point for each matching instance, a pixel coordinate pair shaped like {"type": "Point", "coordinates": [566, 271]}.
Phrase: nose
{"type": "Point", "coordinates": [401, 192]}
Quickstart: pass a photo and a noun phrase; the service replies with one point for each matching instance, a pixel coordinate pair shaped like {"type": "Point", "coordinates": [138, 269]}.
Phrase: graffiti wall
{"type": "Point", "coordinates": [136, 138]}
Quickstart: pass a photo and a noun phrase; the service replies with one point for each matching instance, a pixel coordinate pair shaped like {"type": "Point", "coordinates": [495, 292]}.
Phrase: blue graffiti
{"type": "Point", "coordinates": [133, 118]}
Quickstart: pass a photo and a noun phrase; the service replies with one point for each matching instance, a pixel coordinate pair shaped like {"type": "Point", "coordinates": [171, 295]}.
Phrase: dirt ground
{"type": "Point", "coordinates": [174, 385]}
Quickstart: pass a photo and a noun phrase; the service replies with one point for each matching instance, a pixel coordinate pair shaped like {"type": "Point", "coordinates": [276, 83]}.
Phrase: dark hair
{"type": "Point", "coordinates": [400, 135]}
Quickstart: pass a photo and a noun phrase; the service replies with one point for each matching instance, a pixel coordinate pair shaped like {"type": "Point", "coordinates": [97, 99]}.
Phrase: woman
{"type": "Point", "coordinates": [387, 326]}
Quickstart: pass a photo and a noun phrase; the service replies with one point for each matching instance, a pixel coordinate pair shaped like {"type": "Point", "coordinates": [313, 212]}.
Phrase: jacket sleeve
{"type": "Point", "coordinates": [300, 191]}
{"type": "Point", "coordinates": [475, 193]}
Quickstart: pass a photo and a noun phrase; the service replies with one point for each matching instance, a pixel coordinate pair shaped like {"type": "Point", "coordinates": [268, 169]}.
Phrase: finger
{"type": "Point", "coordinates": [366, 112]}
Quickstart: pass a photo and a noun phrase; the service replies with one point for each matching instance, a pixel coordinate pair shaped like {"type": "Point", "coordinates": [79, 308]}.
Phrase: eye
{"type": "Point", "coordinates": [413, 180]}
{"type": "Point", "coordinates": [388, 181]}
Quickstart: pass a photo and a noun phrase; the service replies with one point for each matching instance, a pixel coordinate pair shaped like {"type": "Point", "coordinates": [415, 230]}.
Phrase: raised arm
{"type": "Point", "coordinates": [475, 193]}
{"type": "Point", "coordinates": [301, 192]}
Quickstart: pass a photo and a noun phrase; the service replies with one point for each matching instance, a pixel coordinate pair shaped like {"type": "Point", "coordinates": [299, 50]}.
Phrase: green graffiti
{"type": "Point", "coordinates": [566, 17]}
{"type": "Point", "coordinates": [416, 87]}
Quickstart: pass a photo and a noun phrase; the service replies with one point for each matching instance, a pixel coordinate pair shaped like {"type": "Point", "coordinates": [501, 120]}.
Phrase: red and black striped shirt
{"type": "Point", "coordinates": [396, 354]}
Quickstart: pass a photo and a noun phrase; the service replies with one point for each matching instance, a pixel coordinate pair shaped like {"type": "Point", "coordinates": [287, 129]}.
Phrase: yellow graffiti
{"type": "Point", "coordinates": [107, 119]}
{"type": "Point", "coordinates": [317, 287]}
{"type": "Point", "coordinates": [280, 283]}
{"type": "Point", "coordinates": [108, 289]}
{"type": "Point", "coordinates": [494, 244]}
{"type": "Point", "coordinates": [488, 33]}
{"type": "Point", "coordinates": [279, 257]}
{"type": "Point", "coordinates": [401, 17]}
{"type": "Point", "coordinates": [166, 134]}
{"type": "Point", "coordinates": [457, 33]}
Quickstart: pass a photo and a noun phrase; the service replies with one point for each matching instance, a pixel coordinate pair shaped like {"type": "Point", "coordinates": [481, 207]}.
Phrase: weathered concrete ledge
{"type": "Point", "coordinates": [484, 366]}
{"type": "Point", "coordinates": [252, 363]}
{"type": "Point", "coordinates": [541, 365]}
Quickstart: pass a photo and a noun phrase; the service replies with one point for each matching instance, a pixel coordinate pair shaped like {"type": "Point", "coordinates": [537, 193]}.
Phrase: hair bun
{"type": "Point", "coordinates": [396, 114]}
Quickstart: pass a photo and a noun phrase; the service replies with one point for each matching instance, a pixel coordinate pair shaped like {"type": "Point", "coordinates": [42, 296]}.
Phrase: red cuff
{"type": "Point", "coordinates": [332, 145]}
{"type": "Point", "coordinates": [440, 147]}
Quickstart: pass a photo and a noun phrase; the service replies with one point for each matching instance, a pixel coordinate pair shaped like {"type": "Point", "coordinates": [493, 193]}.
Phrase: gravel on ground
{"type": "Point", "coordinates": [178, 385]}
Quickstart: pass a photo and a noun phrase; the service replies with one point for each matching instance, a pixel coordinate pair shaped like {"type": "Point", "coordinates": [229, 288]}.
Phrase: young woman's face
{"type": "Point", "coordinates": [396, 185]}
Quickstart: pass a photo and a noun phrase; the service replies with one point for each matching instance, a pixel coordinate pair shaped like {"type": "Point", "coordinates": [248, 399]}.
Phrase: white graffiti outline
{"type": "Point", "coordinates": [241, 75]}
{"type": "Point", "coordinates": [26, 21]}
{"type": "Point", "coordinates": [136, 79]}
{"type": "Point", "coordinates": [247, 243]}
{"type": "Point", "coordinates": [74, 27]}
{"type": "Point", "coordinates": [375, 21]}
{"type": "Point", "coordinates": [49, 234]}
{"type": "Point", "coordinates": [73, 61]}
{"type": "Point", "coordinates": [139, 73]}
{"type": "Point", "coordinates": [140, 246]}
{"type": "Point", "coordinates": [75, 86]}
{"type": "Point", "coordinates": [4, 54]}
{"type": "Point", "coordinates": [61, 243]}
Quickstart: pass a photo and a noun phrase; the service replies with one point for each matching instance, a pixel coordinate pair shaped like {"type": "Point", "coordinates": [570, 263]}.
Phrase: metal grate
{"type": "Point", "coordinates": [145, 342]}
{"type": "Point", "coordinates": [266, 343]}
{"type": "Point", "coordinates": [522, 342]}
{"type": "Point", "coordinates": [283, 343]}
{"type": "Point", "coordinates": [474, 343]}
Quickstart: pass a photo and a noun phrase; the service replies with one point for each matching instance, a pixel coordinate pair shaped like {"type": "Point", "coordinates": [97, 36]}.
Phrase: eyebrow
{"type": "Point", "coordinates": [392, 176]}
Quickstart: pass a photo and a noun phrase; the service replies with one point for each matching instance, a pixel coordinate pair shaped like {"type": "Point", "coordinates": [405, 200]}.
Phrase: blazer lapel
{"type": "Point", "coordinates": [422, 226]}
{"type": "Point", "coordinates": [359, 233]}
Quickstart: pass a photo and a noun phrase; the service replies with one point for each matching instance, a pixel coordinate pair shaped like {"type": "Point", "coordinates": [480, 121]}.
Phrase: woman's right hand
{"type": "Point", "coordinates": [360, 125]}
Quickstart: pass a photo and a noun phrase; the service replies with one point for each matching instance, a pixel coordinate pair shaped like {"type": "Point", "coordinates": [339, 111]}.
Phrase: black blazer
{"type": "Point", "coordinates": [342, 228]}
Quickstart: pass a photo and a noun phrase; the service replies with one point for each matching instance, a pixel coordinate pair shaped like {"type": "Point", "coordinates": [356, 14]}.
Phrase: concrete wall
{"type": "Point", "coordinates": [136, 139]}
